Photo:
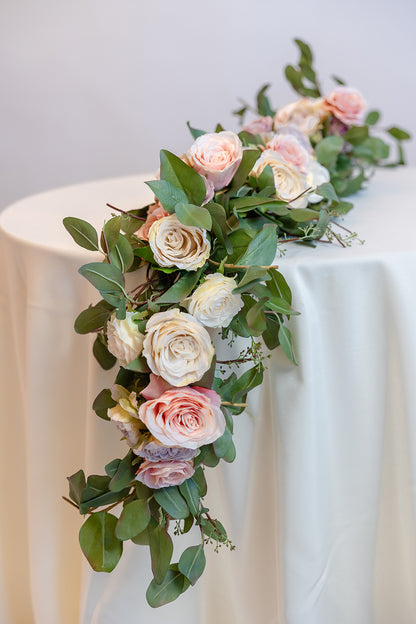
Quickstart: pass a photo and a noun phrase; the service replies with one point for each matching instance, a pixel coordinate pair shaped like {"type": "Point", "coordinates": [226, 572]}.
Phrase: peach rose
{"type": "Point", "coordinates": [217, 156]}
{"type": "Point", "coordinates": [162, 474]}
{"type": "Point", "coordinates": [305, 114]}
{"type": "Point", "coordinates": [288, 146]}
{"type": "Point", "coordinates": [155, 212]}
{"type": "Point", "coordinates": [346, 104]}
{"type": "Point", "coordinates": [175, 244]}
{"type": "Point", "coordinates": [177, 347]}
{"type": "Point", "coordinates": [186, 417]}
{"type": "Point", "coordinates": [288, 181]}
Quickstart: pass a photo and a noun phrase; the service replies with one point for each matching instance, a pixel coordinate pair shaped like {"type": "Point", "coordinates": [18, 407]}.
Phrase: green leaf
{"type": "Point", "coordinates": [280, 305]}
{"type": "Point", "coordinates": [378, 149]}
{"type": "Point", "coordinates": [231, 453]}
{"type": "Point", "coordinates": [83, 233]}
{"type": "Point", "coordinates": [122, 255]}
{"type": "Point", "coordinates": [190, 492]}
{"type": "Point", "coordinates": [111, 467]}
{"type": "Point", "coordinates": [111, 230]}
{"type": "Point", "coordinates": [173, 585]}
{"type": "Point", "coordinates": [327, 191]}
{"type": "Point", "coordinates": [102, 403]}
{"type": "Point", "coordinates": [356, 135]}
{"type": "Point", "coordinates": [266, 178]}
{"type": "Point", "coordinates": [199, 478]}
{"type": "Point", "coordinates": [254, 274]}
{"type": "Point", "coordinates": [271, 334]}
{"type": "Point", "coordinates": [91, 319]}
{"type": "Point", "coordinates": [215, 531]}
{"type": "Point", "coordinates": [263, 104]}
{"type": "Point", "coordinates": [138, 365]}
{"type": "Point", "coordinates": [171, 500]}
{"type": "Point", "coordinates": [142, 491]}
{"type": "Point", "coordinates": [99, 543]}
{"type": "Point", "coordinates": [105, 277]}
{"type": "Point", "coordinates": [219, 224]}
{"type": "Point", "coordinates": [124, 475]}
{"type": "Point", "coordinates": [181, 289]}
{"type": "Point", "coordinates": [103, 356]}
{"type": "Point", "coordinates": [372, 118]}
{"type": "Point", "coordinates": [262, 249]}
{"type": "Point", "coordinates": [76, 486]}
{"type": "Point", "coordinates": [146, 253]}
{"type": "Point", "coordinates": [133, 519]}
{"type": "Point", "coordinates": [399, 133]}
{"type": "Point", "coordinates": [192, 563]}
{"type": "Point", "coordinates": [195, 133]}
{"type": "Point", "coordinates": [248, 380]}
{"type": "Point", "coordinates": [168, 194]}
{"type": "Point", "coordinates": [161, 550]}
{"type": "Point", "coordinates": [328, 149]}
{"type": "Point", "coordinates": [249, 158]}
{"type": "Point", "coordinates": [285, 339]}
{"type": "Point", "coordinates": [279, 286]}
{"type": "Point", "coordinates": [208, 456]}
{"type": "Point", "coordinates": [178, 173]}
{"type": "Point", "coordinates": [256, 319]}
{"type": "Point", "coordinates": [188, 214]}
{"type": "Point", "coordinates": [299, 215]}
{"type": "Point", "coordinates": [305, 50]}
{"type": "Point", "coordinates": [222, 444]}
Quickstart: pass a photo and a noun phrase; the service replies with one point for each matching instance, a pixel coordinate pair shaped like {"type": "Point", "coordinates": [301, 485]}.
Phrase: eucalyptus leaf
{"type": "Point", "coordinates": [262, 249]}
{"type": "Point", "coordinates": [161, 550]}
{"type": "Point", "coordinates": [372, 118]}
{"type": "Point", "coordinates": [195, 133]}
{"type": "Point", "coordinates": [77, 484]}
{"type": "Point", "coordinates": [103, 356]}
{"type": "Point", "coordinates": [168, 194]}
{"type": "Point", "coordinates": [134, 519]}
{"type": "Point", "coordinates": [279, 305]}
{"type": "Point", "coordinates": [178, 173]}
{"type": "Point", "coordinates": [399, 133]}
{"type": "Point", "coordinates": [111, 231]}
{"type": "Point", "coordinates": [188, 214]}
{"type": "Point", "coordinates": [105, 277]}
{"type": "Point", "coordinates": [122, 255]}
{"type": "Point", "coordinates": [249, 158]}
{"type": "Point", "coordinates": [172, 586]}
{"type": "Point", "coordinates": [192, 563]}
{"type": "Point", "coordinates": [190, 492]}
{"type": "Point", "coordinates": [99, 543]}
{"type": "Point", "coordinates": [83, 233]}
{"type": "Point", "coordinates": [172, 501]}
{"type": "Point", "coordinates": [199, 478]}
{"type": "Point", "coordinates": [328, 149]}
{"type": "Point", "coordinates": [92, 319]}
{"type": "Point", "coordinates": [285, 339]}
{"type": "Point", "coordinates": [102, 403]}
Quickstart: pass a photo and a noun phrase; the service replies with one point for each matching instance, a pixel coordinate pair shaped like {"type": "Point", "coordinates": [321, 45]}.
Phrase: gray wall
{"type": "Point", "coordinates": [94, 88]}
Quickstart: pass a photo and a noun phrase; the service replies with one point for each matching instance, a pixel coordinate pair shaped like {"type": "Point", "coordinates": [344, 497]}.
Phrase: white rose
{"type": "Point", "coordinates": [176, 244]}
{"type": "Point", "coordinates": [288, 181]}
{"type": "Point", "coordinates": [125, 341]}
{"type": "Point", "coordinates": [306, 114]}
{"type": "Point", "coordinates": [217, 156]}
{"type": "Point", "coordinates": [125, 414]}
{"type": "Point", "coordinates": [213, 303]}
{"type": "Point", "coordinates": [317, 174]}
{"type": "Point", "coordinates": [177, 347]}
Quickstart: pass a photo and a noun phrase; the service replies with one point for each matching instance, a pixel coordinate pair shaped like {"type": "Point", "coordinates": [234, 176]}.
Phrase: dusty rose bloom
{"type": "Point", "coordinates": [155, 212]}
{"type": "Point", "coordinates": [260, 125]}
{"type": "Point", "coordinates": [346, 104]}
{"type": "Point", "coordinates": [217, 156]}
{"type": "Point", "coordinates": [291, 150]}
{"type": "Point", "coordinates": [161, 474]}
{"type": "Point", "coordinates": [186, 417]}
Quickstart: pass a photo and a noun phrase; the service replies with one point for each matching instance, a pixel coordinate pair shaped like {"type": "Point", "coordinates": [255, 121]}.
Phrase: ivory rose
{"type": "Point", "coordinates": [125, 414]}
{"type": "Point", "coordinates": [175, 244]}
{"type": "Point", "coordinates": [305, 114]}
{"type": "Point", "coordinates": [162, 474]}
{"type": "Point", "coordinates": [288, 181]}
{"type": "Point", "coordinates": [125, 341]}
{"type": "Point", "coordinates": [186, 417]}
{"type": "Point", "coordinates": [155, 212]}
{"type": "Point", "coordinates": [288, 146]}
{"type": "Point", "coordinates": [177, 347]}
{"type": "Point", "coordinates": [217, 156]}
{"type": "Point", "coordinates": [152, 450]}
{"type": "Point", "coordinates": [213, 303]}
{"type": "Point", "coordinates": [317, 174]}
{"type": "Point", "coordinates": [346, 104]}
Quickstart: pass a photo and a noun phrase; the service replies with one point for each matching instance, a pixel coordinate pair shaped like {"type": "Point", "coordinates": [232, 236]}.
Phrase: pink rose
{"type": "Point", "coordinates": [161, 474]}
{"type": "Point", "coordinates": [289, 147]}
{"type": "Point", "coordinates": [155, 212]}
{"type": "Point", "coordinates": [155, 387]}
{"type": "Point", "coordinates": [217, 156]}
{"type": "Point", "coordinates": [346, 104]}
{"type": "Point", "coordinates": [186, 417]}
{"type": "Point", "coordinates": [259, 126]}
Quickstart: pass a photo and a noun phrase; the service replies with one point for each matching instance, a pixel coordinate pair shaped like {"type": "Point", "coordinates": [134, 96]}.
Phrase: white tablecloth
{"type": "Point", "coordinates": [321, 499]}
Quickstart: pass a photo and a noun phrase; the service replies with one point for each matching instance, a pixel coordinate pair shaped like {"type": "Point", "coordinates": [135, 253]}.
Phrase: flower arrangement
{"type": "Point", "coordinates": [200, 259]}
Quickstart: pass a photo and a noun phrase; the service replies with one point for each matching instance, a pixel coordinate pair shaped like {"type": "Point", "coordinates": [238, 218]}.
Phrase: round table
{"type": "Point", "coordinates": [320, 502]}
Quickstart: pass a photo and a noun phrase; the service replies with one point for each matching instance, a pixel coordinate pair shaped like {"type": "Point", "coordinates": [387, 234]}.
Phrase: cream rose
{"type": "Point", "coordinates": [317, 174]}
{"type": "Point", "coordinates": [162, 474]}
{"type": "Point", "coordinates": [217, 156]}
{"type": "Point", "coordinates": [125, 414]}
{"type": "Point", "coordinates": [177, 347]}
{"type": "Point", "coordinates": [176, 244]}
{"type": "Point", "coordinates": [346, 104]}
{"type": "Point", "coordinates": [186, 417]}
{"type": "Point", "coordinates": [306, 114]}
{"type": "Point", "coordinates": [288, 146]}
{"type": "Point", "coordinates": [288, 181]}
{"type": "Point", "coordinates": [125, 341]}
{"type": "Point", "coordinates": [213, 303]}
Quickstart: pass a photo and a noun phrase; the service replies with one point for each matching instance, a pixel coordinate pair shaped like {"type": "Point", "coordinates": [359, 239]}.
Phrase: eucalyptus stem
{"type": "Point", "coordinates": [126, 213]}
{"type": "Point", "coordinates": [234, 404]}
{"type": "Point", "coordinates": [68, 500]}
{"type": "Point", "coordinates": [241, 266]}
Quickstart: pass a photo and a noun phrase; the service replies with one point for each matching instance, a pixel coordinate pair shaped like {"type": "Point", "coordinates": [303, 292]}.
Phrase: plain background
{"type": "Point", "coordinates": [94, 88]}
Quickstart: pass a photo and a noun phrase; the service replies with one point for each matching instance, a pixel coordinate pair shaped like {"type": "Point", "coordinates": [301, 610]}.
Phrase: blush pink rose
{"type": "Point", "coordinates": [155, 387]}
{"type": "Point", "coordinates": [217, 156]}
{"type": "Point", "coordinates": [155, 212]}
{"type": "Point", "coordinates": [346, 104]}
{"type": "Point", "coordinates": [260, 125]}
{"type": "Point", "coordinates": [290, 148]}
{"type": "Point", "coordinates": [160, 474]}
{"type": "Point", "coordinates": [186, 417]}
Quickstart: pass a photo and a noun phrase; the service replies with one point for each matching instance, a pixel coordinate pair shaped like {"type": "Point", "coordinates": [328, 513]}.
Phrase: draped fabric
{"type": "Point", "coordinates": [320, 502]}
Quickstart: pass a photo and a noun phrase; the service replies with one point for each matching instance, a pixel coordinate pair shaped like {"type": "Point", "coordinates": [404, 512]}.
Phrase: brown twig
{"type": "Point", "coordinates": [234, 404]}
{"type": "Point", "coordinates": [68, 500]}
{"type": "Point", "coordinates": [241, 266]}
{"type": "Point", "coordinates": [126, 213]}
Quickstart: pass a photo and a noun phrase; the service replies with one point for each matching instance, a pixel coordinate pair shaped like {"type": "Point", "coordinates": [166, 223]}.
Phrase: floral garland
{"type": "Point", "coordinates": [205, 249]}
